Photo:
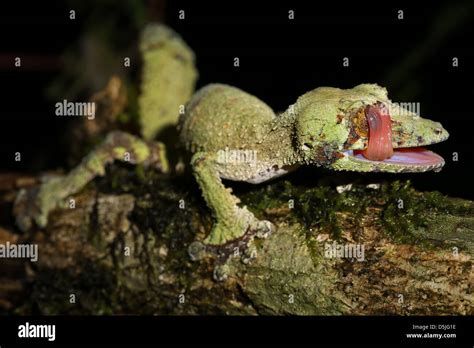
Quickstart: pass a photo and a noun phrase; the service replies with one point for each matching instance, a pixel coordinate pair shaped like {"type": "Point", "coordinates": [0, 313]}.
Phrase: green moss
{"type": "Point", "coordinates": [161, 223]}
{"type": "Point", "coordinates": [408, 215]}
{"type": "Point", "coordinates": [404, 213]}
{"type": "Point", "coordinates": [316, 208]}
{"type": "Point", "coordinates": [396, 208]}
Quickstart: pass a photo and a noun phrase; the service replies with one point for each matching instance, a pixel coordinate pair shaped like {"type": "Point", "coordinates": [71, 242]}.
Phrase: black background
{"type": "Point", "coordinates": [245, 331]}
{"type": "Point", "coordinates": [280, 59]}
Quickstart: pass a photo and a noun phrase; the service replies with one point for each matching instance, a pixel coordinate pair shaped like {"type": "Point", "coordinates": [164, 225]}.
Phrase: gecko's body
{"type": "Point", "coordinates": [324, 127]}
{"type": "Point", "coordinates": [233, 135]}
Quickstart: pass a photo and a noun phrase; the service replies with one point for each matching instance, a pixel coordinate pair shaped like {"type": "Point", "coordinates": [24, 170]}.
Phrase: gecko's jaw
{"type": "Point", "coordinates": [394, 143]}
{"type": "Point", "coordinates": [406, 160]}
{"type": "Point", "coordinates": [417, 158]}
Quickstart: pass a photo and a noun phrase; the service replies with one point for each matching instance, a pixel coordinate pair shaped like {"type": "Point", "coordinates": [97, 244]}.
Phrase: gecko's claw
{"type": "Point", "coordinates": [237, 247]}
{"type": "Point", "coordinates": [264, 228]}
{"type": "Point", "coordinates": [24, 209]}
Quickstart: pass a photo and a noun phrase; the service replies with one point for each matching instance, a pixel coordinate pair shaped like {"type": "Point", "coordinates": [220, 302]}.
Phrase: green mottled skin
{"type": "Point", "coordinates": [54, 190]}
{"type": "Point", "coordinates": [318, 129]}
{"type": "Point", "coordinates": [168, 78]}
{"type": "Point", "coordinates": [315, 130]}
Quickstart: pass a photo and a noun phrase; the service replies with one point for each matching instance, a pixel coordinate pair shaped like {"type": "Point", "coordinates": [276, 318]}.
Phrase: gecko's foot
{"type": "Point", "coordinates": [241, 224]}
{"type": "Point", "coordinates": [33, 205]}
{"type": "Point", "coordinates": [263, 229]}
{"type": "Point", "coordinates": [25, 209]}
{"type": "Point", "coordinates": [243, 249]}
{"type": "Point", "coordinates": [220, 244]}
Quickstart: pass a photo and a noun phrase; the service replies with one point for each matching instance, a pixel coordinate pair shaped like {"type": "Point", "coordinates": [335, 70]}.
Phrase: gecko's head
{"type": "Point", "coordinates": [360, 129]}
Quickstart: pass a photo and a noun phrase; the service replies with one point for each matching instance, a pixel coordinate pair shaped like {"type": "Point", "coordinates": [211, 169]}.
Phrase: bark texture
{"type": "Point", "coordinates": [123, 249]}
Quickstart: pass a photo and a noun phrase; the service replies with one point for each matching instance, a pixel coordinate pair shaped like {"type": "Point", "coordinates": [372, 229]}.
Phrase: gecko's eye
{"type": "Point", "coordinates": [379, 133]}
{"type": "Point", "coordinates": [359, 123]}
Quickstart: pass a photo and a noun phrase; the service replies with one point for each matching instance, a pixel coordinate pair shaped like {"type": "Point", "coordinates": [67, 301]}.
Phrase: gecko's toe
{"type": "Point", "coordinates": [27, 212]}
{"type": "Point", "coordinates": [234, 247]}
{"type": "Point", "coordinates": [264, 228]}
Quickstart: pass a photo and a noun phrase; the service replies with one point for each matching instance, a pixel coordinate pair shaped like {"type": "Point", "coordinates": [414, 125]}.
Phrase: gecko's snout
{"type": "Point", "coordinates": [394, 140]}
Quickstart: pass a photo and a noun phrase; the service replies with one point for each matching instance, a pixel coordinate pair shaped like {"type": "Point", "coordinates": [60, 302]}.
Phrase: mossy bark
{"type": "Point", "coordinates": [123, 249]}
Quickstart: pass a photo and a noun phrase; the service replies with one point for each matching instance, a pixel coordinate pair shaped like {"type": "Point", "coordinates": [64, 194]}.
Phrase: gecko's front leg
{"type": "Point", "coordinates": [232, 221]}
{"type": "Point", "coordinates": [36, 204]}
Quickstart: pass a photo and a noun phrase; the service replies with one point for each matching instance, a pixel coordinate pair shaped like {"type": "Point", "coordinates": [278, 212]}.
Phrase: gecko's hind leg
{"type": "Point", "coordinates": [35, 205]}
{"type": "Point", "coordinates": [232, 222]}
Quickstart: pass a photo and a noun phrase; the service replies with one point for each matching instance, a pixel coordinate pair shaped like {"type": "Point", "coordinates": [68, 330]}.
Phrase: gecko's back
{"type": "Point", "coordinates": [220, 116]}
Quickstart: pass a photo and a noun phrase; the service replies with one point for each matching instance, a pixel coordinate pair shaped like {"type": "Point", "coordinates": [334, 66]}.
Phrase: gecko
{"type": "Point", "coordinates": [232, 135]}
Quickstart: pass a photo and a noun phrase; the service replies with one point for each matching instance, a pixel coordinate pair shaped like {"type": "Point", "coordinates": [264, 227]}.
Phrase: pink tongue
{"type": "Point", "coordinates": [380, 134]}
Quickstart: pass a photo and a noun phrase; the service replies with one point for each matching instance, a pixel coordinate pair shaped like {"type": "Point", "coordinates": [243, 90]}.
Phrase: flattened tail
{"type": "Point", "coordinates": [169, 75]}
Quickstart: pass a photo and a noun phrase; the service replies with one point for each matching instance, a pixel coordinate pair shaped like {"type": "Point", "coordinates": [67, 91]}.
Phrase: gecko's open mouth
{"type": "Point", "coordinates": [415, 156]}
{"type": "Point", "coordinates": [383, 147]}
